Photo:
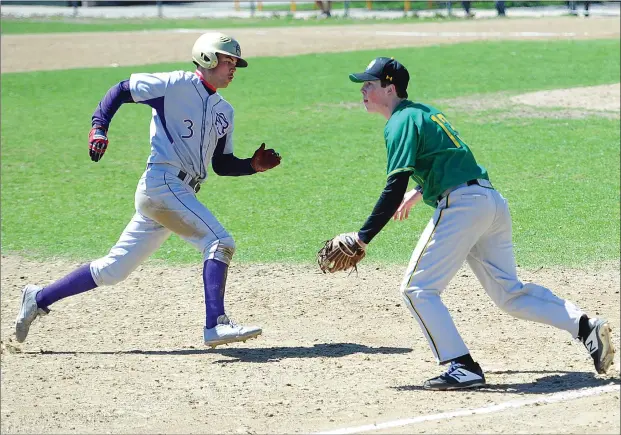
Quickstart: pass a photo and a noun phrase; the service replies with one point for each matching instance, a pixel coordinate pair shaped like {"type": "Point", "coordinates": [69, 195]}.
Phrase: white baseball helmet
{"type": "Point", "coordinates": [208, 44]}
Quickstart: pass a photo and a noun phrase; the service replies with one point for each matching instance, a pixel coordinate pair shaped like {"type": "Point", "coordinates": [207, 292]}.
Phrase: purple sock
{"type": "Point", "coordinates": [78, 281]}
{"type": "Point", "coordinates": [214, 280]}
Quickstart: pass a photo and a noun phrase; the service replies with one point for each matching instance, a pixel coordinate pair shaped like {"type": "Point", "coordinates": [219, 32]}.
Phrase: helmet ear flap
{"type": "Point", "coordinates": [210, 59]}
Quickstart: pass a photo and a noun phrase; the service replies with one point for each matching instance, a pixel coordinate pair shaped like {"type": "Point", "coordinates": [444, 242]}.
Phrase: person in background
{"type": "Point", "coordinates": [325, 7]}
{"type": "Point", "coordinates": [573, 9]}
{"type": "Point", "coordinates": [466, 6]}
{"type": "Point", "coordinates": [500, 8]}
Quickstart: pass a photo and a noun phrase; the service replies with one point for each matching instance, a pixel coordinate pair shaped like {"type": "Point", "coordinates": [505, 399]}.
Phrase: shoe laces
{"type": "Point", "coordinates": [455, 365]}
{"type": "Point", "coordinates": [233, 323]}
{"type": "Point", "coordinates": [230, 321]}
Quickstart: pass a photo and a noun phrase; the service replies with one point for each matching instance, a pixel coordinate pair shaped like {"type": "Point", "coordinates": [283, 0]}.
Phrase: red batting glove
{"type": "Point", "coordinates": [97, 142]}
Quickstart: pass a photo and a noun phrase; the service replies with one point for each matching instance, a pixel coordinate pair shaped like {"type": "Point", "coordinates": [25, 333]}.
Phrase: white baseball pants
{"type": "Point", "coordinates": [473, 223]}
{"type": "Point", "coordinates": [164, 205]}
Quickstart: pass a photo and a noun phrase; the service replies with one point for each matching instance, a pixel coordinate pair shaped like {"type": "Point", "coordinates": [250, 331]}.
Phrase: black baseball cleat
{"type": "Point", "coordinates": [458, 376]}
{"type": "Point", "coordinates": [599, 344]}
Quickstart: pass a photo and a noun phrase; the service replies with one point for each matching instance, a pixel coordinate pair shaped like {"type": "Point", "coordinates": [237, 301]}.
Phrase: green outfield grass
{"type": "Point", "coordinates": [79, 25]}
{"type": "Point", "coordinates": [561, 176]}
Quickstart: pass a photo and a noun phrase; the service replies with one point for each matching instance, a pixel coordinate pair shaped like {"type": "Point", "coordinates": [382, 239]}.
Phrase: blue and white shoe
{"type": "Point", "coordinates": [599, 344]}
{"type": "Point", "coordinates": [28, 312]}
{"type": "Point", "coordinates": [457, 377]}
{"type": "Point", "coordinates": [226, 331]}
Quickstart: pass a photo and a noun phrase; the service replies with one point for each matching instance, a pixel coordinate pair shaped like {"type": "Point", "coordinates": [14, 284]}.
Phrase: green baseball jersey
{"type": "Point", "coordinates": [420, 140]}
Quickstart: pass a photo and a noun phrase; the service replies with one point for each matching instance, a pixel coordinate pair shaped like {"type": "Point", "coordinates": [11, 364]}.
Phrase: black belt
{"type": "Point", "coordinates": [194, 184]}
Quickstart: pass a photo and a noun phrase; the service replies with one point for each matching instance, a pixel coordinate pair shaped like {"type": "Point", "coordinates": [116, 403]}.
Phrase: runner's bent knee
{"type": "Point", "coordinates": [113, 268]}
{"type": "Point", "coordinates": [221, 249]}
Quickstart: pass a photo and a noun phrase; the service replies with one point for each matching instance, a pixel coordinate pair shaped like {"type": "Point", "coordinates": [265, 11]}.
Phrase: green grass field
{"type": "Point", "coordinates": [561, 176]}
{"type": "Point", "coordinates": [63, 25]}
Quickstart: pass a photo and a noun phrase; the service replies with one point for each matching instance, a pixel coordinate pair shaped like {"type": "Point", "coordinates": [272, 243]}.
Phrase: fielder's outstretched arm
{"type": "Point", "coordinates": [386, 206]}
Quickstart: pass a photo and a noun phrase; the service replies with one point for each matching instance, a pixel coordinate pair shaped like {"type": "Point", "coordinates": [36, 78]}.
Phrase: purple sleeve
{"type": "Point", "coordinates": [110, 103]}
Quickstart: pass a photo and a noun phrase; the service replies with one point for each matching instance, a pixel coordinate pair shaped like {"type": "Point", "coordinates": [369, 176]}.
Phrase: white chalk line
{"type": "Point", "coordinates": [553, 398]}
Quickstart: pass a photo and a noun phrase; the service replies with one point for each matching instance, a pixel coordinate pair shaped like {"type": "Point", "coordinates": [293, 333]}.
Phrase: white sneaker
{"type": "Point", "coordinates": [227, 331]}
{"type": "Point", "coordinates": [28, 312]}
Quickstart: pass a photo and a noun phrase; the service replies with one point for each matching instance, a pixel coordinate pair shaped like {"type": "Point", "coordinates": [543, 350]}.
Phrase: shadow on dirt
{"type": "Point", "coordinates": [255, 355]}
{"type": "Point", "coordinates": [556, 381]}
{"type": "Point", "coordinates": [329, 350]}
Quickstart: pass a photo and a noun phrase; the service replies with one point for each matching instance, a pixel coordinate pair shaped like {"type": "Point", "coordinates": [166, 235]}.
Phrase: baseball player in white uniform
{"type": "Point", "coordinates": [192, 126]}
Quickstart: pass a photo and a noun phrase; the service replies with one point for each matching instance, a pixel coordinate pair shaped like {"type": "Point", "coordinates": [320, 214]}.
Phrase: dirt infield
{"type": "Point", "coordinates": [336, 351]}
{"type": "Point", "coordinates": [604, 98]}
{"type": "Point", "coordinates": [572, 103]}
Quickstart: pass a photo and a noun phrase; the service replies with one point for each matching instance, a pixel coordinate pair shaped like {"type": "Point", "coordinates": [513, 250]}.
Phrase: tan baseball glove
{"type": "Point", "coordinates": [343, 252]}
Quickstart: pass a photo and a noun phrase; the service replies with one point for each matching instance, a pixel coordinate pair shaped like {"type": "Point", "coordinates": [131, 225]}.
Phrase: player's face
{"type": "Point", "coordinates": [224, 73]}
{"type": "Point", "coordinates": [373, 96]}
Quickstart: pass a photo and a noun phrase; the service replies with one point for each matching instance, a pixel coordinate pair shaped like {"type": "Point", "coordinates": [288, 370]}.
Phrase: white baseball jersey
{"type": "Point", "coordinates": [187, 121]}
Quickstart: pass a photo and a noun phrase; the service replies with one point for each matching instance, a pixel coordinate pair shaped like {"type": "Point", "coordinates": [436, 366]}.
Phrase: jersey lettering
{"type": "Point", "coordinates": [221, 124]}
{"type": "Point", "coordinates": [448, 129]}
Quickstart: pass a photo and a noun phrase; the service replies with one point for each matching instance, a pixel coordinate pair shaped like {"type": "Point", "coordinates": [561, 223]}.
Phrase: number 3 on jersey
{"type": "Point", "coordinates": [188, 124]}
{"type": "Point", "coordinates": [439, 119]}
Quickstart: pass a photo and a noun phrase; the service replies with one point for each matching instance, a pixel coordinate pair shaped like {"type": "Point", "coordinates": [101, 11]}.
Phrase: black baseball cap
{"type": "Point", "coordinates": [387, 69]}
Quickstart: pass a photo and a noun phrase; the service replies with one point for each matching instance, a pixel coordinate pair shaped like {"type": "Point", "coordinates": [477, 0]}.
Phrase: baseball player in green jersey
{"type": "Point", "coordinates": [471, 223]}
